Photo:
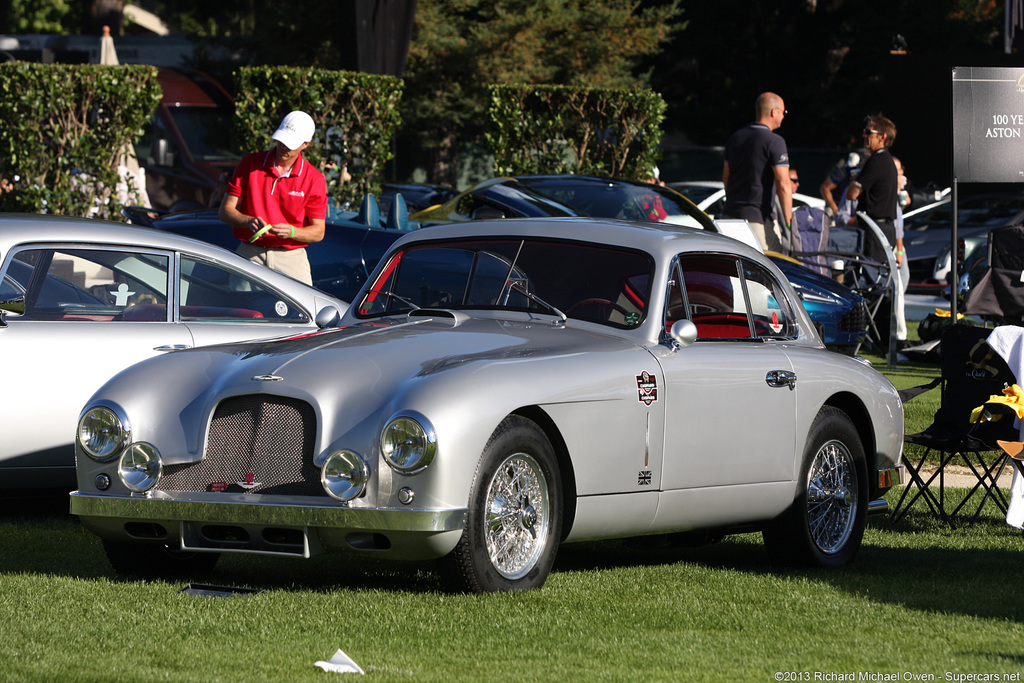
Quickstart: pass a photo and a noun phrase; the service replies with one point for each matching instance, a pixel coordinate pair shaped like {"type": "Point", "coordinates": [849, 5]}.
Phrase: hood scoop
{"type": "Point", "coordinates": [439, 315]}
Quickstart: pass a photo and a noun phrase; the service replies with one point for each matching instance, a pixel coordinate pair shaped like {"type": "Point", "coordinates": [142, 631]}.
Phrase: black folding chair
{"type": "Point", "coordinates": [999, 294]}
{"type": "Point", "coordinates": [971, 372]}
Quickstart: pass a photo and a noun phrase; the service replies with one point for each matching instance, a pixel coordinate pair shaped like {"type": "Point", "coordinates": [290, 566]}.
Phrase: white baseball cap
{"type": "Point", "coordinates": [295, 129]}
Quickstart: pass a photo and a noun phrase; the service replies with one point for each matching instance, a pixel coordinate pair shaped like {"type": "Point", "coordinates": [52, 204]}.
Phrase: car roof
{"type": "Point", "coordinates": [25, 227]}
{"type": "Point", "coordinates": [16, 229]}
{"type": "Point", "coordinates": [190, 88]}
{"type": "Point", "coordinates": [655, 238]}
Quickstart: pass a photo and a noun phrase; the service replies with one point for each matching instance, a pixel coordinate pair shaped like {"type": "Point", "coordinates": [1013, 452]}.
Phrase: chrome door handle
{"type": "Point", "coordinates": [781, 378]}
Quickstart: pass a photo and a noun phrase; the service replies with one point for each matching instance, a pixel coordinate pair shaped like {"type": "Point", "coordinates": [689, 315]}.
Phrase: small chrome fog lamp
{"type": "Point", "coordinates": [344, 475]}
{"type": "Point", "coordinates": [102, 433]}
{"type": "Point", "coordinates": [140, 467]}
{"type": "Point", "coordinates": [408, 443]}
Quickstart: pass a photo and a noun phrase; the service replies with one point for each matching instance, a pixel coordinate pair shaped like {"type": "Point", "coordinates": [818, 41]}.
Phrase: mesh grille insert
{"type": "Point", "coordinates": [257, 444]}
{"type": "Point", "coordinates": [856, 320]}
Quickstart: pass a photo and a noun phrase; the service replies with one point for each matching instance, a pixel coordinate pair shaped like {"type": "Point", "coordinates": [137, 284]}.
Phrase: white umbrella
{"type": "Point", "coordinates": [108, 55]}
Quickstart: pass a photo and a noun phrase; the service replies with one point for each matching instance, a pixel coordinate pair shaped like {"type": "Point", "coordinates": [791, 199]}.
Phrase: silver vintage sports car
{"type": "Point", "coordinates": [81, 300]}
{"type": "Point", "coordinates": [498, 388]}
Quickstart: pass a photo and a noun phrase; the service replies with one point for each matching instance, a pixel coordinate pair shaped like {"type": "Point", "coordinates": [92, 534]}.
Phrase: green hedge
{"type": "Point", "coordinates": [63, 129]}
{"type": "Point", "coordinates": [360, 111]}
{"type": "Point", "coordinates": [560, 129]}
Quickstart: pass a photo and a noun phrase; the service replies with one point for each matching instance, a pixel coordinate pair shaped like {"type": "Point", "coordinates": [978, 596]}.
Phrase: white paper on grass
{"type": "Point", "coordinates": [340, 663]}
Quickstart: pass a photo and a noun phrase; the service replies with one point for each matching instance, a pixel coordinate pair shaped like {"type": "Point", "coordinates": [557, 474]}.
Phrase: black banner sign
{"type": "Point", "coordinates": [988, 124]}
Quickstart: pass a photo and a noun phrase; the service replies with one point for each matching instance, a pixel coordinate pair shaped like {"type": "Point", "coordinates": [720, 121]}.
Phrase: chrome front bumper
{"type": "Point", "coordinates": [395, 533]}
{"type": "Point", "coordinates": [267, 514]}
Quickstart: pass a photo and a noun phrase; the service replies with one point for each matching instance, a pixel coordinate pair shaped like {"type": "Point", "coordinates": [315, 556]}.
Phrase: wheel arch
{"type": "Point", "coordinates": [568, 474]}
{"type": "Point", "coordinates": [857, 412]}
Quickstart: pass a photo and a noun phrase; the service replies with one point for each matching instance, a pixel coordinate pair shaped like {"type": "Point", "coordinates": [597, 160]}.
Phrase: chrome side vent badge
{"type": "Point", "coordinates": [267, 378]}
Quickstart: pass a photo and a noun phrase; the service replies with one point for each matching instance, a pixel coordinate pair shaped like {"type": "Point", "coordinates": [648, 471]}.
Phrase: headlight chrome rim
{"type": "Point", "coordinates": [344, 475]}
{"type": "Point", "coordinates": [408, 442]}
{"type": "Point", "coordinates": [103, 432]}
{"type": "Point", "coordinates": [140, 467]}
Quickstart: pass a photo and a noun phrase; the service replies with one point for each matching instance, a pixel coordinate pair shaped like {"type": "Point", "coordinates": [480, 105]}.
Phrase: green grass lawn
{"type": "Point", "coordinates": [919, 598]}
{"type": "Point", "coordinates": [919, 601]}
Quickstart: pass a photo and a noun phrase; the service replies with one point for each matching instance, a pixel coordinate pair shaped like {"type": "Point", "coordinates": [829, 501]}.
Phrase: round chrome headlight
{"type": "Point", "coordinates": [344, 475]}
{"type": "Point", "coordinates": [140, 467]}
{"type": "Point", "coordinates": [408, 443]}
{"type": "Point", "coordinates": [102, 433]}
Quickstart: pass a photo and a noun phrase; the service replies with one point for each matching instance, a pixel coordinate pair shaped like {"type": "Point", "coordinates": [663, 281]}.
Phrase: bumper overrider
{"type": "Point", "coordinates": [275, 528]}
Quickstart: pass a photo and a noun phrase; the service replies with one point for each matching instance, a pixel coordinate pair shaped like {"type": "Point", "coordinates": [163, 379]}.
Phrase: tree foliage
{"type": "Point", "coordinates": [44, 16]}
{"type": "Point", "coordinates": [460, 47]}
{"type": "Point", "coordinates": [560, 129]}
{"type": "Point", "coordinates": [831, 60]}
{"type": "Point", "coordinates": [63, 129]}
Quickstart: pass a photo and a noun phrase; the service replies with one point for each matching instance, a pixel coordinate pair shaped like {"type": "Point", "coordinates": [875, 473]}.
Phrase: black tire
{"type": "Point", "coordinates": [825, 524]}
{"type": "Point", "coordinates": [514, 522]}
{"type": "Point", "coordinates": [149, 561]}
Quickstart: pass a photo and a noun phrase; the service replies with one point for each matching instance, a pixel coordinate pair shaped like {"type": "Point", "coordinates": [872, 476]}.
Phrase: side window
{"type": "Point", "coordinates": [714, 296]}
{"type": "Point", "coordinates": [15, 280]}
{"type": "Point", "coordinates": [209, 291]}
{"type": "Point", "coordinates": [769, 307]}
{"type": "Point", "coordinates": [730, 298]}
{"type": "Point", "coordinates": [92, 285]}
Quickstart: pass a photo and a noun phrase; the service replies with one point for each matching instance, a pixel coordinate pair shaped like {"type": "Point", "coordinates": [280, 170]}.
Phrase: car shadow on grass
{"type": "Point", "coordinates": [917, 564]}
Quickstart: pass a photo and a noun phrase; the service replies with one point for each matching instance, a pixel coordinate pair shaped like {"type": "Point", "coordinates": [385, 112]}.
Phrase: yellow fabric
{"type": "Point", "coordinates": [1012, 398]}
{"type": "Point", "coordinates": [943, 313]}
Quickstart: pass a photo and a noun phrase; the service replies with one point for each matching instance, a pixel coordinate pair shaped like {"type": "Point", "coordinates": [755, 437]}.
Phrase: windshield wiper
{"type": "Point", "coordinates": [518, 286]}
{"type": "Point", "coordinates": [391, 295]}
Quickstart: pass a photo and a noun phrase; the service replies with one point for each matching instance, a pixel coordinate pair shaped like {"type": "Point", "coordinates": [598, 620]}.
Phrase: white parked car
{"type": "Point", "coordinates": [709, 196]}
{"type": "Point", "coordinates": [81, 300]}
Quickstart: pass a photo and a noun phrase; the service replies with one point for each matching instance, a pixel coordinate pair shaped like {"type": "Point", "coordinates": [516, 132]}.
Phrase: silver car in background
{"type": "Point", "coordinates": [498, 388]}
{"type": "Point", "coordinates": [81, 300]}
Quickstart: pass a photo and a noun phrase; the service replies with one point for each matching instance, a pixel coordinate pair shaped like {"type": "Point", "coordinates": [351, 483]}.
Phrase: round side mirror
{"type": "Point", "coordinates": [328, 316]}
{"type": "Point", "coordinates": [683, 332]}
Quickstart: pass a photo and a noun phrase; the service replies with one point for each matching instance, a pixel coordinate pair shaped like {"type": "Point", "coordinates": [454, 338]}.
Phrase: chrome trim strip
{"type": "Point", "coordinates": [267, 514]}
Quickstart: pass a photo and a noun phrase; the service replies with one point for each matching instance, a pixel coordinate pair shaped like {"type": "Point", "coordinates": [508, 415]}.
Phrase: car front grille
{"type": "Point", "coordinates": [856, 320]}
{"type": "Point", "coordinates": [257, 444]}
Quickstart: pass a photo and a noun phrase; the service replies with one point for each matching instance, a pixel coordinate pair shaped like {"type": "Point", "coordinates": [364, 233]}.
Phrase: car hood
{"type": "Point", "coordinates": [355, 375]}
{"type": "Point", "coordinates": [415, 346]}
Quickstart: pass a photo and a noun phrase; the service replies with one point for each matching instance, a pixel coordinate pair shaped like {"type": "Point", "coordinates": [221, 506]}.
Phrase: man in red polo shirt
{"type": "Point", "coordinates": [276, 202]}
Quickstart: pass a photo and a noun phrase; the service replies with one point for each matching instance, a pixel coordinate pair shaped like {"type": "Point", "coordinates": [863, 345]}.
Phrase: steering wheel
{"type": "Point", "coordinates": [597, 302]}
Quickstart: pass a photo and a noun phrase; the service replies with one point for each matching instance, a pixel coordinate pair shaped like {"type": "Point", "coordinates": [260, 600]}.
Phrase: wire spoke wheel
{"type": "Point", "coordinates": [825, 523]}
{"type": "Point", "coordinates": [831, 496]}
{"type": "Point", "coordinates": [514, 514]}
{"type": "Point", "coordinates": [516, 531]}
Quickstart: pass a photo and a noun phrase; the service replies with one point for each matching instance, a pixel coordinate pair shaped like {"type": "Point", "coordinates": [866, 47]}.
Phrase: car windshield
{"type": "Point", "coordinates": [621, 200]}
{"type": "Point", "coordinates": [210, 132]}
{"type": "Point", "coordinates": [522, 201]}
{"type": "Point", "coordinates": [596, 283]}
{"type": "Point", "coordinates": [696, 193]}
